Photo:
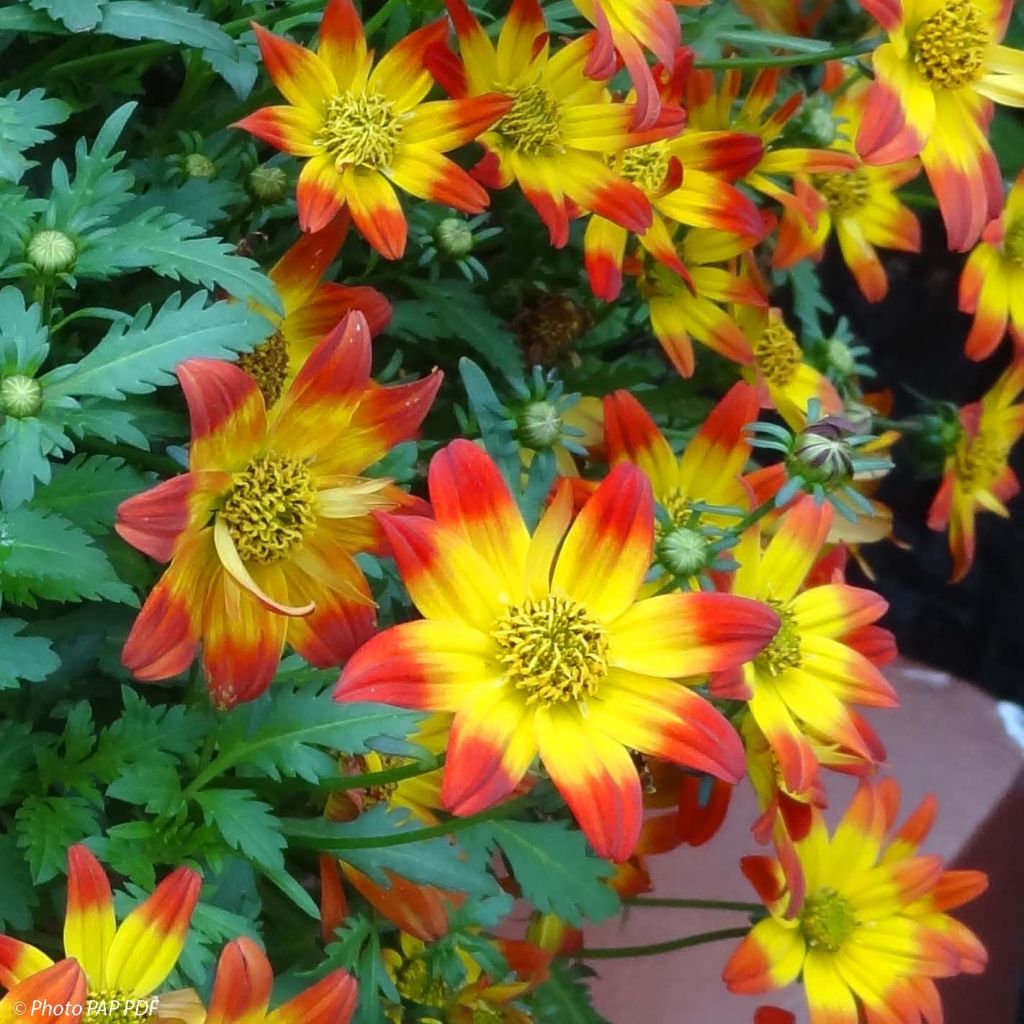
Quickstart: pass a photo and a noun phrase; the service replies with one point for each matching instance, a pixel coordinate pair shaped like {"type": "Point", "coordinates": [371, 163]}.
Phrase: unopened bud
{"type": "Point", "coordinates": [268, 185]}
{"type": "Point", "coordinates": [821, 452]}
{"type": "Point", "coordinates": [683, 552]}
{"type": "Point", "coordinates": [454, 238]}
{"type": "Point", "coordinates": [198, 165]}
{"type": "Point", "coordinates": [540, 425]}
{"type": "Point", "coordinates": [20, 396]}
{"type": "Point", "coordinates": [51, 252]}
{"type": "Point", "coordinates": [839, 357]}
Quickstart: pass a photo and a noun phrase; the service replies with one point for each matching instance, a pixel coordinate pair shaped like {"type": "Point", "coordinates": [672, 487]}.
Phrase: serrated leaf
{"type": "Point", "coordinates": [47, 825]}
{"type": "Point", "coordinates": [564, 997]}
{"type": "Point", "coordinates": [153, 784]}
{"type": "Point", "coordinates": [50, 559]}
{"type": "Point", "coordinates": [552, 865]}
{"type": "Point", "coordinates": [23, 340]}
{"type": "Point", "coordinates": [169, 23]}
{"type": "Point", "coordinates": [18, 746]}
{"type": "Point", "coordinates": [22, 460]}
{"type": "Point", "coordinates": [87, 490]}
{"type": "Point", "coordinates": [175, 247]}
{"type": "Point", "coordinates": [30, 658]}
{"type": "Point", "coordinates": [136, 358]}
{"type": "Point", "coordinates": [23, 123]}
{"type": "Point", "coordinates": [74, 15]}
{"type": "Point", "coordinates": [247, 824]}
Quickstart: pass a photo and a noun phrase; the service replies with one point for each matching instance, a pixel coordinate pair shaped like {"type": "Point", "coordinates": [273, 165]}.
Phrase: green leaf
{"type": "Point", "coordinates": [153, 784]}
{"type": "Point", "coordinates": [169, 23]}
{"type": "Point", "coordinates": [17, 212]}
{"type": "Point", "coordinates": [564, 997]}
{"type": "Point", "coordinates": [24, 19]}
{"type": "Point", "coordinates": [24, 657]}
{"type": "Point", "coordinates": [74, 15]}
{"type": "Point", "coordinates": [47, 825]}
{"type": "Point", "coordinates": [18, 746]}
{"type": "Point", "coordinates": [552, 865]}
{"type": "Point", "coordinates": [23, 340]}
{"type": "Point", "coordinates": [23, 123]}
{"type": "Point", "coordinates": [51, 559]}
{"type": "Point", "coordinates": [17, 894]}
{"type": "Point", "coordinates": [173, 246]}
{"type": "Point", "coordinates": [87, 490]}
{"type": "Point", "coordinates": [136, 358]}
{"type": "Point", "coordinates": [23, 461]}
{"type": "Point", "coordinates": [247, 824]}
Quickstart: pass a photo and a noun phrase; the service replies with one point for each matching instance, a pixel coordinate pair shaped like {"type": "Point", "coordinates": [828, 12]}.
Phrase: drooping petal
{"type": "Point", "coordinates": [19, 960]}
{"type": "Point", "coordinates": [296, 273]}
{"type": "Point", "coordinates": [48, 997]}
{"type": "Point", "coordinates": [89, 925]}
{"type": "Point", "coordinates": [376, 211]}
{"type": "Point", "coordinates": [332, 1000]}
{"type": "Point", "coordinates": [289, 129]}
{"type": "Point", "coordinates": [242, 986]}
{"type": "Point", "coordinates": [604, 248]}
{"type": "Point", "coordinates": [769, 957]}
{"type": "Point", "coordinates": [423, 172]}
{"type": "Point", "coordinates": [151, 938]}
{"type": "Point", "coordinates": [835, 609]}
{"type": "Point", "coordinates": [320, 193]}
{"type": "Point", "coordinates": [828, 996]}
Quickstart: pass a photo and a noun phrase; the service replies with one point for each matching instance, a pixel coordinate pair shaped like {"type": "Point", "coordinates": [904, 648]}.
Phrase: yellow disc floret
{"type": "Point", "coordinates": [534, 124]}
{"type": "Point", "coordinates": [777, 353]}
{"type": "Point", "coordinates": [981, 461]}
{"type": "Point", "coordinates": [552, 650]}
{"type": "Point", "coordinates": [114, 1007]}
{"type": "Point", "coordinates": [827, 920]}
{"type": "Point", "coordinates": [784, 650]}
{"type": "Point", "coordinates": [949, 47]}
{"type": "Point", "coordinates": [1013, 243]}
{"type": "Point", "coordinates": [269, 508]}
{"type": "Point", "coordinates": [360, 131]}
{"type": "Point", "coordinates": [645, 166]}
{"type": "Point", "coordinates": [844, 193]}
{"type": "Point", "coordinates": [268, 365]}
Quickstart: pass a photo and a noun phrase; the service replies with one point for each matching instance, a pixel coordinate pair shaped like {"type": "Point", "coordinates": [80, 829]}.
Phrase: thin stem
{"type": "Point", "coordinates": [656, 948]}
{"type": "Point", "coordinates": [789, 60]}
{"type": "Point", "coordinates": [684, 904]}
{"type": "Point", "coordinates": [384, 777]}
{"type": "Point", "coordinates": [329, 844]}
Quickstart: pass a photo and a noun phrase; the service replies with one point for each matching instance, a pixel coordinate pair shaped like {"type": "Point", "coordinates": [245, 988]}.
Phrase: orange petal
{"type": "Point", "coordinates": [423, 172]}
{"type": "Point", "coordinates": [44, 997]}
{"type": "Point", "coordinates": [19, 960]}
{"type": "Point", "coordinates": [289, 129]}
{"type": "Point", "coordinates": [376, 211]}
{"type": "Point", "coordinates": [632, 436]}
{"type": "Point", "coordinates": [332, 1000]}
{"type": "Point", "coordinates": [301, 76]}
{"type": "Point", "coordinates": [320, 193]}
{"type": "Point", "coordinates": [89, 925]}
{"type": "Point", "coordinates": [242, 986]}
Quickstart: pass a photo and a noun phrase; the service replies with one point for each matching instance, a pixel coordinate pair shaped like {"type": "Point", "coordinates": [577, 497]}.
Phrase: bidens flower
{"type": "Point", "coordinates": [872, 932]}
{"type": "Point", "coordinates": [539, 645]}
{"type": "Point", "coordinates": [934, 82]}
{"type": "Point", "coordinates": [261, 531]}
{"type": "Point", "coordinates": [978, 474]}
{"type": "Point", "coordinates": [364, 129]}
{"type": "Point", "coordinates": [120, 963]}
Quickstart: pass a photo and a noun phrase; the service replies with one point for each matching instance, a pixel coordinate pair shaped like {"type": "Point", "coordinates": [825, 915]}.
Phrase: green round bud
{"type": "Point", "coordinates": [20, 396]}
{"type": "Point", "coordinates": [198, 165]}
{"type": "Point", "coordinates": [268, 185]}
{"type": "Point", "coordinates": [821, 454]}
{"type": "Point", "coordinates": [819, 126]}
{"type": "Point", "coordinates": [540, 425]}
{"type": "Point", "coordinates": [683, 551]}
{"type": "Point", "coordinates": [454, 238]}
{"type": "Point", "coordinates": [51, 252]}
{"type": "Point", "coordinates": [839, 356]}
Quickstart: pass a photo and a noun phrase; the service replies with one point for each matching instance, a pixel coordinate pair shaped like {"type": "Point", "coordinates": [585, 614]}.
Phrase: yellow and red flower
{"type": "Point", "coordinates": [977, 474]}
{"type": "Point", "coordinates": [244, 983]}
{"type": "Point", "coordinates": [49, 996]}
{"type": "Point", "coordinates": [538, 645]}
{"type": "Point", "coordinates": [873, 931]}
{"type": "Point", "coordinates": [364, 129]}
{"type": "Point", "coordinates": [935, 80]}
{"type": "Point", "coordinates": [992, 282]}
{"type": "Point", "coordinates": [860, 206]}
{"type": "Point", "coordinates": [562, 126]}
{"type": "Point", "coordinates": [811, 670]}
{"type": "Point", "coordinates": [126, 962]}
{"type": "Point", "coordinates": [311, 309]}
{"type": "Point", "coordinates": [261, 532]}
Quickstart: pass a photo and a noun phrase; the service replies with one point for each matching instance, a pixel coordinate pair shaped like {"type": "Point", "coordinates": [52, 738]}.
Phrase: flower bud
{"type": "Point", "coordinates": [198, 165]}
{"type": "Point", "coordinates": [20, 396]}
{"type": "Point", "coordinates": [821, 454]}
{"type": "Point", "coordinates": [683, 551]}
{"type": "Point", "coordinates": [839, 357]}
{"type": "Point", "coordinates": [51, 252]}
{"type": "Point", "coordinates": [540, 425]}
{"type": "Point", "coordinates": [454, 238]}
{"type": "Point", "coordinates": [267, 185]}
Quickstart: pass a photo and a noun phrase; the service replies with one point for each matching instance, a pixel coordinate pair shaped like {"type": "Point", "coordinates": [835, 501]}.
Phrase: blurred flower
{"type": "Point", "coordinates": [977, 474]}
{"type": "Point", "coordinates": [261, 532]}
{"type": "Point", "coordinates": [872, 932]}
{"type": "Point", "coordinates": [363, 129]}
{"type": "Point", "coordinates": [992, 282]}
{"type": "Point", "coordinates": [934, 82]}
{"type": "Point", "coordinates": [539, 645]}
{"type": "Point", "coordinates": [547, 327]}
{"type": "Point", "coordinates": [119, 962]}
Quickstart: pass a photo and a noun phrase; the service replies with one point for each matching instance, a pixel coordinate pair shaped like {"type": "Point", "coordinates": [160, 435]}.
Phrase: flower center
{"type": "Point", "coordinates": [114, 1007]}
{"type": "Point", "coordinates": [1013, 243]}
{"type": "Point", "coordinates": [981, 461]}
{"type": "Point", "coordinates": [777, 353]}
{"type": "Point", "coordinates": [683, 551]}
{"type": "Point", "coordinates": [949, 47]}
{"type": "Point", "coordinates": [268, 365]}
{"type": "Point", "coordinates": [269, 508]}
{"type": "Point", "coordinates": [360, 131]}
{"type": "Point", "coordinates": [784, 650]}
{"type": "Point", "coordinates": [645, 166]}
{"type": "Point", "coordinates": [484, 1014]}
{"type": "Point", "coordinates": [534, 124]}
{"type": "Point", "coordinates": [382, 793]}
{"type": "Point", "coordinates": [552, 650]}
{"type": "Point", "coordinates": [844, 193]}
{"type": "Point", "coordinates": [415, 983]}
{"type": "Point", "coordinates": [827, 920]}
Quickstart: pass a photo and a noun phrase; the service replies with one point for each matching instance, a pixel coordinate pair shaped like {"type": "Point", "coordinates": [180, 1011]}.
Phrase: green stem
{"type": "Point", "coordinates": [384, 777]}
{"type": "Point", "coordinates": [680, 904]}
{"type": "Point", "coordinates": [918, 199]}
{"type": "Point", "coordinates": [738, 529]}
{"type": "Point", "coordinates": [330, 844]}
{"type": "Point", "coordinates": [789, 60]}
{"type": "Point", "coordinates": [656, 948]}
